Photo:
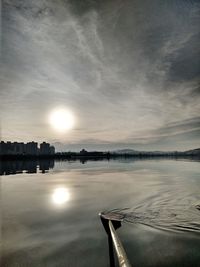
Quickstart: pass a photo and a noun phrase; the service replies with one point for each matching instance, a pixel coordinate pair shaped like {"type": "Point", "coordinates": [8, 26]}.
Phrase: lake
{"type": "Point", "coordinates": [49, 212]}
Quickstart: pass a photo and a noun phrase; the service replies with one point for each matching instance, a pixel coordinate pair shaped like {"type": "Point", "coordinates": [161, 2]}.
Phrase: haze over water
{"type": "Point", "coordinates": [51, 219]}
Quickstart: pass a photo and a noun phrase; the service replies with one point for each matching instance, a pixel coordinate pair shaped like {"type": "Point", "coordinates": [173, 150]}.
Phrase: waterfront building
{"type": "Point", "coordinates": [83, 152]}
{"type": "Point", "coordinates": [52, 150]}
{"type": "Point", "coordinates": [32, 148]}
{"type": "Point", "coordinates": [18, 148]}
{"type": "Point", "coordinates": [29, 149]}
{"type": "Point", "coordinates": [44, 148]}
{"type": "Point", "coordinates": [3, 149]}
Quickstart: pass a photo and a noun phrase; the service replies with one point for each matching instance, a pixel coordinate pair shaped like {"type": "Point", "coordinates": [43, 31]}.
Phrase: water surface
{"type": "Point", "coordinates": [49, 213]}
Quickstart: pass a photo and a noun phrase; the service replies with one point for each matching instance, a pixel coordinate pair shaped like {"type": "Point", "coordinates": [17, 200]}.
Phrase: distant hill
{"type": "Point", "coordinates": [193, 152]}
{"type": "Point", "coordinates": [136, 152]}
{"type": "Point", "coordinates": [125, 151]}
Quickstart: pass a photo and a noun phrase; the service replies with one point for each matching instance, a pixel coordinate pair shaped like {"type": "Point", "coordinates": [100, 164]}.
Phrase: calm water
{"type": "Point", "coordinates": [50, 218]}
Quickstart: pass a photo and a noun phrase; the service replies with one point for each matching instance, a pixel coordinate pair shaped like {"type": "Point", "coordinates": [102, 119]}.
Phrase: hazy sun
{"type": "Point", "coordinates": [61, 119]}
{"type": "Point", "coordinates": [60, 195]}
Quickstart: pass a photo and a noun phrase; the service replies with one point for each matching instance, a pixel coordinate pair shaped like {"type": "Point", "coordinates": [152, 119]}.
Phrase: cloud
{"type": "Point", "coordinates": [128, 69]}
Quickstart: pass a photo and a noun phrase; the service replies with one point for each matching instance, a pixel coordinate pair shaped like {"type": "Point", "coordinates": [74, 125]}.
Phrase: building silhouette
{"type": "Point", "coordinates": [32, 148]}
{"type": "Point", "coordinates": [44, 149]}
{"type": "Point", "coordinates": [23, 149]}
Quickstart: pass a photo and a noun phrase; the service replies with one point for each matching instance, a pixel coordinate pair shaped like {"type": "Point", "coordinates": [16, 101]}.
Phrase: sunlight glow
{"type": "Point", "coordinates": [61, 119]}
{"type": "Point", "coordinates": [60, 196]}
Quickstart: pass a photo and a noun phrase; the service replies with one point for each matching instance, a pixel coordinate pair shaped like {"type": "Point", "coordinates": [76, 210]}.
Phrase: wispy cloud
{"type": "Point", "coordinates": [128, 69]}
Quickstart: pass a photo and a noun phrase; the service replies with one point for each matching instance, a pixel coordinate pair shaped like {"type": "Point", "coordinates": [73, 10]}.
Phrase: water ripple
{"type": "Point", "coordinates": [165, 218]}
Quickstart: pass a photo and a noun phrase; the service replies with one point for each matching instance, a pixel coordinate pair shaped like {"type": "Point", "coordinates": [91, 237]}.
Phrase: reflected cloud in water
{"type": "Point", "coordinates": [162, 220]}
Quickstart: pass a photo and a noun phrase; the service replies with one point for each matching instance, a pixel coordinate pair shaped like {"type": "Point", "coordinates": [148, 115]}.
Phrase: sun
{"type": "Point", "coordinates": [60, 196]}
{"type": "Point", "coordinates": [61, 119]}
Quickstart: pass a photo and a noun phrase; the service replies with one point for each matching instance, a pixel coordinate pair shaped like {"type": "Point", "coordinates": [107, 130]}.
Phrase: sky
{"type": "Point", "coordinates": [127, 69]}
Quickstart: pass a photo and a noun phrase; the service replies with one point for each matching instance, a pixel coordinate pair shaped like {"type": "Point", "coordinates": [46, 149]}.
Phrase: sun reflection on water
{"type": "Point", "coordinates": [60, 196]}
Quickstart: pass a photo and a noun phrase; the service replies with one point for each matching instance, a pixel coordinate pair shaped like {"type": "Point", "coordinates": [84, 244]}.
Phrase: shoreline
{"type": "Point", "coordinates": [94, 156]}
